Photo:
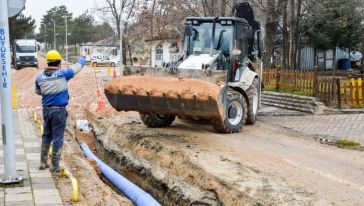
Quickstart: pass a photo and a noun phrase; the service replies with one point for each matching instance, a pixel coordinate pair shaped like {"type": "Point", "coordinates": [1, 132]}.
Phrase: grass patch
{"type": "Point", "coordinates": [348, 144]}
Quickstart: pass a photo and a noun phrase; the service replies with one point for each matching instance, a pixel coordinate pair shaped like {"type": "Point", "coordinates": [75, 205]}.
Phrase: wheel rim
{"type": "Point", "coordinates": [235, 113]}
{"type": "Point", "coordinates": [255, 102]}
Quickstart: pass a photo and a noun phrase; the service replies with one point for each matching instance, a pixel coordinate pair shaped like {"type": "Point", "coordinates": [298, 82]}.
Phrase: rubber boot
{"type": "Point", "coordinates": [56, 157]}
{"type": "Point", "coordinates": [44, 156]}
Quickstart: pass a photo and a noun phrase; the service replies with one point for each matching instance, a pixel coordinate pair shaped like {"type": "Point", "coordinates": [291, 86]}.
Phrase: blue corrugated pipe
{"type": "Point", "coordinates": [133, 192]}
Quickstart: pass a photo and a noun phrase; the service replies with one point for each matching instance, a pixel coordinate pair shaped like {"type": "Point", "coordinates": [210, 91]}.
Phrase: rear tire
{"type": "Point", "coordinates": [94, 64]}
{"type": "Point", "coordinates": [235, 114]}
{"type": "Point", "coordinates": [155, 120]}
{"type": "Point", "coordinates": [253, 95]}
{"type": "Point", "coordinates": [112, 64]}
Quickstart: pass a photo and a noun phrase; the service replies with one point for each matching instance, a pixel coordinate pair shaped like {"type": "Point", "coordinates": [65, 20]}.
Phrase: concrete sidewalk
{"type": "Point", "coordinates": [38, 187]}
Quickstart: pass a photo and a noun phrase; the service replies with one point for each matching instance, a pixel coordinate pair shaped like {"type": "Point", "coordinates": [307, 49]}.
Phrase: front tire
{"type": "Point", "coordinates": [253, 95]}
{"type": "Point", "coordinates": [235, 114]}
{"type": "Point", "coordinates": [156, 120]}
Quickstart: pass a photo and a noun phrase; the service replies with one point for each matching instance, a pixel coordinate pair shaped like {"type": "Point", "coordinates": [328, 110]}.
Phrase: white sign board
{"type": "Point", "coordinates": [15, 6]}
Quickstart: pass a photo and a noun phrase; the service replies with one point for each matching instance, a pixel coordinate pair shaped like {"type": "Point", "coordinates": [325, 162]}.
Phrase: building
{"type": "Point", "coordinates": [164, 48]}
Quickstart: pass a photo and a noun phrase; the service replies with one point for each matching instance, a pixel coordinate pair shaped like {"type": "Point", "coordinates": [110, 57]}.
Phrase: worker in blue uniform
{"type": "Point", "coordinates": [52, 85]}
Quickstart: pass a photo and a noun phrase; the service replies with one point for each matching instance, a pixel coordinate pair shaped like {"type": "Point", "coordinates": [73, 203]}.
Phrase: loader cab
{"type": "Point", "coordinates": [218, 35]}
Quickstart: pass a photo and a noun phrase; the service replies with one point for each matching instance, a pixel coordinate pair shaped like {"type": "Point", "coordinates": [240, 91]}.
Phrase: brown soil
{"type": "Point", "coordinates": [92, 189]}
{"type": "Point", "coordinates": [162, 86]}
{"type": "Point", "coordinates": [165, 95]}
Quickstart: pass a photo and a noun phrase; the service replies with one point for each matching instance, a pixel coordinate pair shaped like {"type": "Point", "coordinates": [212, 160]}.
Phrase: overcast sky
{"type": "Point", "coordinates": [38, 8]}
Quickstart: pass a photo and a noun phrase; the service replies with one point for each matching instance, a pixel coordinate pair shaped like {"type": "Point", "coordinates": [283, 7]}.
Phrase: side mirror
{"type": "Point", "coordinates": [236, 52]}
{"type": "Point", "coordinates": [188, 29]}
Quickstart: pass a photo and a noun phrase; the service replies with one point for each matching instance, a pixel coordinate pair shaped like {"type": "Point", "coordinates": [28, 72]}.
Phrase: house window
{"type": "Point", "coordinates": [159, 52]}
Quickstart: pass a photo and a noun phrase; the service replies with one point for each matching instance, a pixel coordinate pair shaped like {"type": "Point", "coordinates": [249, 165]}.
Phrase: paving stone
{"type": "Point", "coordinates": [33, 156]}
{"type": "Point", "coordinates": [46, 192]}
{"type": "Point", "coordinates": [18, 140]}
{"type": "Point", "coordinates": [18, 197]}
{"type": "Point", "coordinates": [48, 200]}
{"type": "Point", "coordinates": [20, 151]}
{"type": "Point", "coordinates": [40, 174]}
{"type": "Point", "coordinates": [41, 180]}
{"type": "Point", "coordinates": [341, 126]}
{"type": "Point", "coordinates": [21, 203]}
{"type": "Point", "coordinates": [31, 144]}
{"type": "Point", "coordinates": [32, 150]}
{"type": "Point", "coordinates": [21, 166]}
{"type": "Point", "coordinates": [43, 186]}
{"type": "Point", "coordinates": [17, 190]}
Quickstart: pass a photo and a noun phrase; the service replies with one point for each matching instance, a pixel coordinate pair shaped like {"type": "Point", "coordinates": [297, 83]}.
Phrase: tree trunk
{"type": "Point", "coordinates": [334, 63]}
{"type": "Point", "coordinates": [130, 54]}
{"type": "Point", "coordinates": [271, 29]}
{"type": "Point", "coordinates": [292, 47]}
{"type": "Point", "coordinates": [285, 37]}
{"type": "Point", "coordinates": [297, 33]}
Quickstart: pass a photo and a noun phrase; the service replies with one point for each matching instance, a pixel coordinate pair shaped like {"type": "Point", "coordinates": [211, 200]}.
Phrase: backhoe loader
{"type": "Point", "coordinates": [216, 77]}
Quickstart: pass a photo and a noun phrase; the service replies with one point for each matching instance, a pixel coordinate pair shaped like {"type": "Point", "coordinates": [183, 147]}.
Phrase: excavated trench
{"type": "Point", "coordinates": [165, 187]}
{"type": "Point", "coordinates": [169, 165]}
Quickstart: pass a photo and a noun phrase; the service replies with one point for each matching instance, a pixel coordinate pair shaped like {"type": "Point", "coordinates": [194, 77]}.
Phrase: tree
{"type": "Point", "coordinates": [20, 26]}
{"type": "Point", "coordinates": [119, 10]}
{"type": "Point", "coordinates": [334, 23]}
{"type": "Point", "coordinates": [103, 31]}
{"type": "Point", "coordinates": [272, 10]}
{"type": "Point", "coordinates": [46, 29]}
{"type": "Point", "coordinates": [83, 29]}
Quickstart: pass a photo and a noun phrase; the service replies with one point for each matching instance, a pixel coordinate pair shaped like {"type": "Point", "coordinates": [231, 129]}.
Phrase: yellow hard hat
{"type": "Point", "coordinates": [53, 55]}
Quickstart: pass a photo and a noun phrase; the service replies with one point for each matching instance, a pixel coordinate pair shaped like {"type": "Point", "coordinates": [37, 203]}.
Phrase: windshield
{"type": "Point", "coordinates": [25, 48]}
{"type": "Point", "coordinates": [200, 41]}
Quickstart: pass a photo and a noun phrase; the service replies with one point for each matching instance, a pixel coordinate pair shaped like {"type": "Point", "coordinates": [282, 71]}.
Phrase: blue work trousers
{"type": "Point", "coordinates": [54, 126]}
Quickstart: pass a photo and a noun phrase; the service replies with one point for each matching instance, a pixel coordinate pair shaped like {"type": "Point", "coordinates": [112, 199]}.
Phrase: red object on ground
{"type": "Point", "coordinates": [100, 101]}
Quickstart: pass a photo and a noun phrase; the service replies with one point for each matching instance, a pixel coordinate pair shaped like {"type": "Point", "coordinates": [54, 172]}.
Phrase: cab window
{"type": "Point", "coordinates": [241, 42]}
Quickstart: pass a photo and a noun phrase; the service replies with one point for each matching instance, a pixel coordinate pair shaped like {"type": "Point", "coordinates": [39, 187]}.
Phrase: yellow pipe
{"type": "Point", "coordinates": [108, 71]}
{"type": "Point", "coordinates": [95, 68]}
{"type": "Point", "coordinates": [41, 129]}
{"type": "Point", "coordinates": [14, 96]}
{"type": "Point", "coordinates": [50, 151]}
{"type": "Point", "coordinates": [74, 183]}
{"type": "Point", "coordinates": [74, 189]}
{"type": "Point", "coordinates": [38, 124]}
{"type": "Point", "coordinates": [35, 117]}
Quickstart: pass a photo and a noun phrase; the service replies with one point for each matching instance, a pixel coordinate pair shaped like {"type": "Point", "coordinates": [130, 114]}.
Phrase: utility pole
{"type": "Point", "coordinates": [10, 174]}
{"type": "Point", "coordinates": [121, 36]}
{"type": "Point", "coordinates": [54, 34]}
{"type": "Point", "coordinates": [66, 47]}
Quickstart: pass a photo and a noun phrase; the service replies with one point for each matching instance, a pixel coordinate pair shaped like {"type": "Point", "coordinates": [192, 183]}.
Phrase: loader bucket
{"type": "Point", "coordinates": [166, 95]}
